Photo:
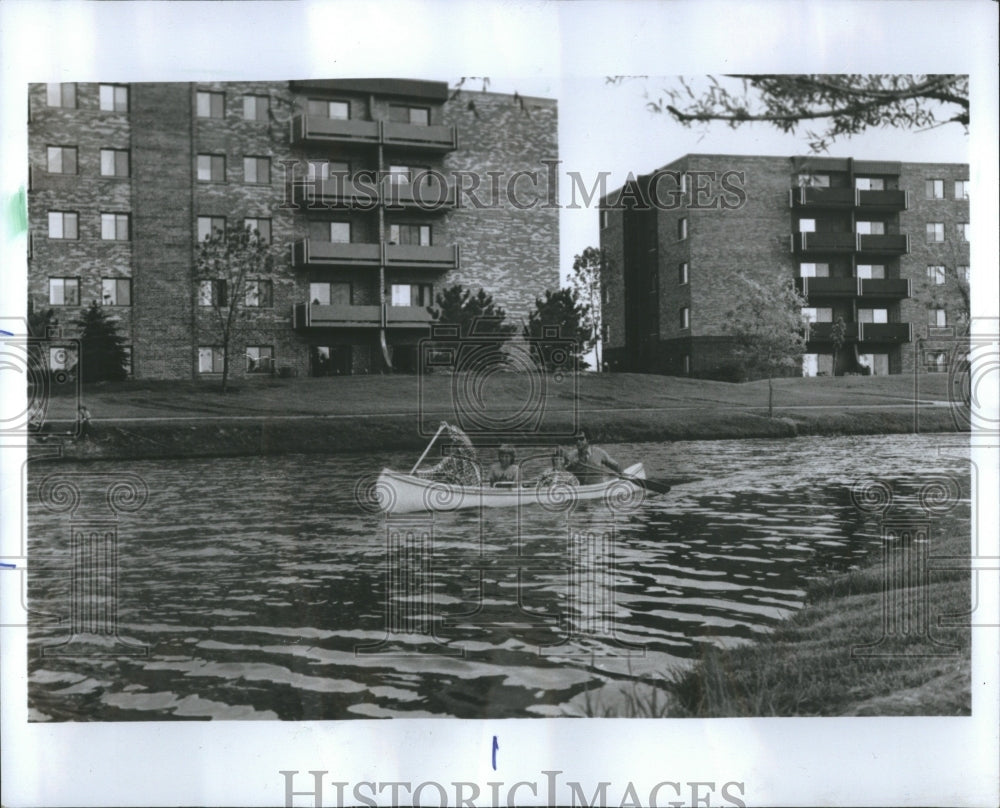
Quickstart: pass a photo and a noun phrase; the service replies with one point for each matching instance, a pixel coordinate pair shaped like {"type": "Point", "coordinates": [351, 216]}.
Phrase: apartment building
{"type": "Point", "coordinates": [374, 194]}
{"type": "Point", "coordinates": [882, 245]}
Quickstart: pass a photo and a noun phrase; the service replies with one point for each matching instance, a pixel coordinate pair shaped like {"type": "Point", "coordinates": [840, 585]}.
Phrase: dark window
{"type": "Point", "coordinates": [64, 291]}
{"type": "Point", "coordinates": [260, 358]}
{"type": "Point", "coordinates": [211, 168]}
{"type": "Point", "coordinates": [418, 116]}
{"type": "Point", "coordinates": [335, 110]}
{"type": "Point", "coordinates": [682, 273]}
{"type": "Point", "coordinates": [114, 163]}
{"type": "Point", "coordinates": [330, 294]}
{"type": "Point", "coordinates": [257, 170]}
{"type": "Point", "coordinates": [684, 319]}
{"type": "Point", "coordinates": [63, 224]}
{"type": "Point", "coordinates": [414, 234]}
{"type": "Point", "coordinates": [682, 228]}
{"type": "Point", "coordinates": [207, 225]}
{"type": "Point", "coordinates": [61, 159]}
{"type": "Point", "coordinates": [211, 105]}
{"type": "Point", "coordinates": [411, 294]}
{"type": "Point", "coordinates": [262, 227]}
{"type": "Point", "coordinates": [115, 226]}
{"type": "Point", "coordinates": [114, 97]}
{"type": "Point", "coordinates": [258, 294]}
{"type": "Point", "coordinates": [61, 95]}
{"type": "Point", "coordinates": [210, 359]}
{"type": "Point", "coordinates": [934, 189]}
{"type": "Point", "coordinates": [256, 107]}
{"type": "Point", "coordinates": [212, 293]}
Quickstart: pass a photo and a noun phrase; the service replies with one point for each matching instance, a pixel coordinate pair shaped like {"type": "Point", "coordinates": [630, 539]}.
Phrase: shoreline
{"type": "Point", "coordinates": [154, 438]}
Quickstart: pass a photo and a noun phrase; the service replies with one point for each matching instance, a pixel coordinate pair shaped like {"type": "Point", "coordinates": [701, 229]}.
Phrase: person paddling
{"type": "Point", "coordinates": [588, 462]}
{"type": "Point", "coordinates": [504, 471]}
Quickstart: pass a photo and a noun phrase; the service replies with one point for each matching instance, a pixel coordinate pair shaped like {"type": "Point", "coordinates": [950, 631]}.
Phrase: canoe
{"type": "Point", "coordinates": [402, 493]}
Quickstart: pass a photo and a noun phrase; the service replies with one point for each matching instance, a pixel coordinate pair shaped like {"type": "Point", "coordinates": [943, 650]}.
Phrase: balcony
{"type": "Point", "coordinates": [812, 197]}
{"type": "Point", "coordinates": [310, 252]}
{"type": "Point", "coordinates": [886, 244]}
{"type": "Point", "coordinates": [365, 192]}
{"type": "Point", "coordinates": [822, 332]}
{"type": "Point", "coordinates": [854, 287]}
{"type": "Point", "coordinates": [883, 200]}
{"type": "Point", "coordinates": [313, 129]}
{"type": "Point", "coordinates": [306, 316]}
{"type": "Point", "coordinates": [318, 130]}
{"type": "Point", "coordinates": [885, 287]}
{"type": "Point", "coordinates": [824, 242]}
{"type": "Point", "coordinates": [892, 333]}
{"type": "Point", "coordinates": [429, 193]}
{"type": "Point", "coordinates": [313, 253]}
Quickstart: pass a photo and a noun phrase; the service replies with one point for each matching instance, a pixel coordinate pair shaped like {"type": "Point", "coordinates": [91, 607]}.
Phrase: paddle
{"type": "Point", "coordinates": [655, 486]}
{"type": "Point", "coordinates": [421, 460]}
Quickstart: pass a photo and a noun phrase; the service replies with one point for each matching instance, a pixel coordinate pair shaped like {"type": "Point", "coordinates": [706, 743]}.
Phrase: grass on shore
{"type": "Point", "coordinates": [822, 661]}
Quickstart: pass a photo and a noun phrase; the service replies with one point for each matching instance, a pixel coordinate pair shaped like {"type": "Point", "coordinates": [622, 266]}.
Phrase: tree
{"type": "Point", "coordinates": [767, 328]}
{"type": "Point", "coordinates": [586, 280]}
{"type": "Point", "coordinates": [228, 266]}
{"type": "Point", "coordinates": [948, 288]}
{"type": "Point", "coordinates": [102, 349]}
{"type": "Point", "coordinates": [568, 317]}
{"type": "Point", "coordinates": [475, 315]}
{"type": "Point", "coordinates": [838, 334]}
{"type": "Point", "coordinates": [844, 105]}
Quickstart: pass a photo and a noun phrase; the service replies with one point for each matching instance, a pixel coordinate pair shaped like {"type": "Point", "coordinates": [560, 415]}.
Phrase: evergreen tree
{"type": "Point", "coordinates": [102, 349]}
{"type": "Point", "coordinates": [475, 315]}
{"type": "Point", "coordinates": [560, 312]}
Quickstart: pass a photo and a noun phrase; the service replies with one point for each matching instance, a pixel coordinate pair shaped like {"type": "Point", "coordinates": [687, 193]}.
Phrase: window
{"type": "Point", "coordinates": [257, 170]}
{"type": "Point", "coordinates": [113, 97]}
{"type": "Point", "coordinates": [114, 163]}
{"type": "Point", "coordinates": [400, 175]}
{"type": "Point", "coordinates": [604, 219]}
{"type": "Point", "coordinates": [116, 291]}
{"type": "Point", "coordinates": [411, 294]}
{"type": "Point", "coordinates": [936, 361]}
{"type": "Point", "coordinates": [935, 232]}
{"type": "Point", "coordinates": [260, 359]}
{"type": "Point", "coordinates": [869, 271]}
{"type": "Point", "coordinates": [684, 318]}
{"type": "Point", "coordinates": [207, 225]}
{"type": "Point", "coordinates": [261, 227]}
{"type": "Point", "coordinates": [937, 318]}
{"type": "Point", "coordinates": [682, 272]}
{"type": "Point", "coordinates": [686, 364]}
{"type": "Point", "coordinates": [873, 315]}
{"type": "Point", "coordinates": [127, 364]}
{"type": "Point", "coordinates": [810, 270]}
{"type": "Point", "coordinates": [814, 180]}
{"type": "Point", "coordinates": [869, 183]}
{"type": "Point", "coordinates": [61, 159]}
{"type": "Point", "coordinates": [211, 105]}
{"type": "Point", "coordinates": [256, 107]}
{"type": "Point", "coordinates": [330, 294]}
{"type": "Point", "coordinates": [64, 291]}
{"type": "Point", "coordinates": [322, 171]}
{"type": "Point", "coordinates": [61, 95]}
{"type": "Point", "coordinates": [416, 234]}
{"type": "Point", "coordinates": [211, 168]}
{"type": "Point", "coordinates": [62, 358]}
{"type": "Point", "coordinates": [333, 232]}
{"type": "Point", "coordinates": [258, 294]}
{"type": "Point", "coordinates": [935, 274]}
{"type": "Point", "coordinates": [962, 231]}
{"type": "Point", "coordinates": [807, 225]}
{"type": "Point", "coordinates": [63, 225]}
{"type": "Point", "coordinates": [962, 271]}
{"type": "Point", "coordinates": [210, 359]}
{"type": "Point", "coordinates": [682, 229]}
{"type": "Point", "coordinates": [934, 189]}
{"type": "Point", "coordinates": [418, 116]}
{"type": "Point", "coordinates": [871, 228]}
{"type": "Point", "coordinates": [212, 293]}
{"type": "Point", "coordinates": [334, 110]}
{"type": "Point", "coordinates": [961, 189]}
{"type": "Point", "coordinates": [811, 314]}
{"type": "Point", "coordinates": [114, 226]}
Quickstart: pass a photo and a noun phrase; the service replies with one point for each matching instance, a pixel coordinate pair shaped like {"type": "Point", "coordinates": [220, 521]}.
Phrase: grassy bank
{"type": "Point", "coordinates": [272, 416]}
{"type": "Point", "coordinates": [814, 663]}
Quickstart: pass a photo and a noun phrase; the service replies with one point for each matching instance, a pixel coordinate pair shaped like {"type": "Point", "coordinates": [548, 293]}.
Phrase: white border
{"type": "Point", "coordinates": [880, 761]}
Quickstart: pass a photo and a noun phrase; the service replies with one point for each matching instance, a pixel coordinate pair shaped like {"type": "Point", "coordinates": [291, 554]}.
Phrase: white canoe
{"type": "Point", "coordinates": [403, 493]}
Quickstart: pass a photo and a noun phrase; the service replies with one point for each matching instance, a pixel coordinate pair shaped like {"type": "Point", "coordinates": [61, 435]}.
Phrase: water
{"type": "Point", "coordinates": [261, 589]}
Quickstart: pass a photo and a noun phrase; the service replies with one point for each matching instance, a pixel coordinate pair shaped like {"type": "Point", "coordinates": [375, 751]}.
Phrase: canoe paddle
{"type": "Point", "coordinates": [654, 486]}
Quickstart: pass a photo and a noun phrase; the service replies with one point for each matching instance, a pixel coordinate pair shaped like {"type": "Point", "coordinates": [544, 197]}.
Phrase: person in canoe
{"type": "Point", "coordinates": [460, 465]}
{"type": "Point", "coordinates": [504, 472]}
{"type": "Point", "coordinates": [588, 463]}
{"type": "Point", "coordinates": [557, 475]}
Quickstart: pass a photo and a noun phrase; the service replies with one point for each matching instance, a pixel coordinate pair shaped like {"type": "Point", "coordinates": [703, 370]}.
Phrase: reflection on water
{"type": "Point", "coordinates": [261, 590]}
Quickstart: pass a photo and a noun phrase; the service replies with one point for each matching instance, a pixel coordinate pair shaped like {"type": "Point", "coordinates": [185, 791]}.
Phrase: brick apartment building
{"type": "Point", "coordinates": [375, 194]}
{"type": "Point", "coordinates": [884, 245]}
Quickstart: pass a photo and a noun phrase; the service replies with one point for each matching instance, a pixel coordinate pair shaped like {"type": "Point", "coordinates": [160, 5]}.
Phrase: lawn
{"type": "Point", "coordinates": [435, 395]}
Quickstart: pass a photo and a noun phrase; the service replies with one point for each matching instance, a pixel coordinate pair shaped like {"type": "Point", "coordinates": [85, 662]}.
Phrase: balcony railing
{"type": "Point", "coordinates": [892, 333]}
{"type": "Point", "coordinates": [896, 244]}
{"type": "Point", "coordinates": [884, 200]}
{"type": "Point", "coordinates": [886, 332]}
{"type": "Point", "coordinates": [307, 316]}
{"type": "Point", "coordinates": [311, 252]}
{"type": "Point", "coordinates": [811, 197]}
{"type": "Point", "coordinates": [317, 129]}
{"type": "Point", "coordinates": [428, 194]}
{"type": "Point", "coordinates": [854, 287]}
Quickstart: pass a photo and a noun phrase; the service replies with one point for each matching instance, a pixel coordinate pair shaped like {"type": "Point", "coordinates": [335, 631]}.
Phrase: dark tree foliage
{"type": "Point", "coordinates": [102, 349]}
{"type": "Point", "coordinates": [475, 315]}
{"type": "Point", "coordinates": [832, 106]}
{"type": "Point", "coordinates": [559, 316]}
